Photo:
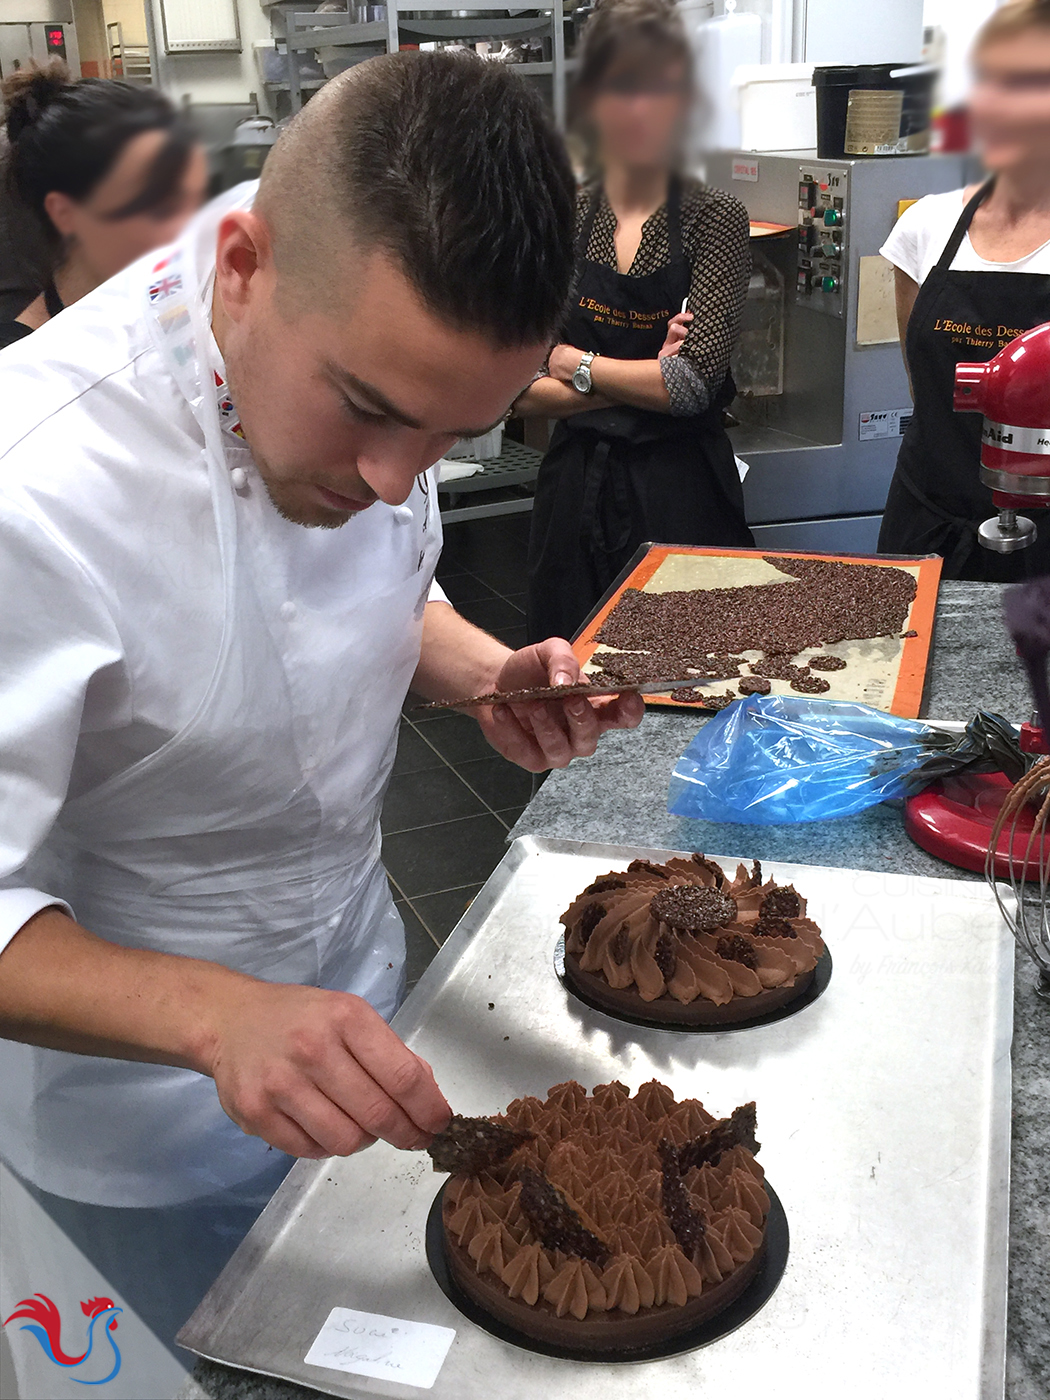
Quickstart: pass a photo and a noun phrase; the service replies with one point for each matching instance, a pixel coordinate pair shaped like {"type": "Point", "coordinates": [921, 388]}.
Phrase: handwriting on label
{"type": "Point", "coordinates": [369, 1344]}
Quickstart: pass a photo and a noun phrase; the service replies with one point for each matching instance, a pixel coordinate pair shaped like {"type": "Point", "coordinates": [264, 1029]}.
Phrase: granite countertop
{"type": "Point", "coordinates": [620, 796]}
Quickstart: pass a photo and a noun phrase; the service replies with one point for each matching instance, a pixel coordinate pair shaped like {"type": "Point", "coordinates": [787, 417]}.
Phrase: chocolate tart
{"type": "Point", "coordinates": [622, 1222]}
{"type": "Point", "coordinates": [683, 944]}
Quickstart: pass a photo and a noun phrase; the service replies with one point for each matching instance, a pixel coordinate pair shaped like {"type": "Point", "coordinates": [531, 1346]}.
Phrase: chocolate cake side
{"type": "Point", "coordinates": [601, 1232]}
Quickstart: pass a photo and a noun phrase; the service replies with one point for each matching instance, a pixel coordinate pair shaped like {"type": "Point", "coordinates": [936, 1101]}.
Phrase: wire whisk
{"type": "Point", "coordinates": [1027, 915]}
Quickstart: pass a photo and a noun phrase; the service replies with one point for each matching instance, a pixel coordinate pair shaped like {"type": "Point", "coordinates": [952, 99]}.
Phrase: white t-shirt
{"type": "Point", "coordinates": [920, 234]}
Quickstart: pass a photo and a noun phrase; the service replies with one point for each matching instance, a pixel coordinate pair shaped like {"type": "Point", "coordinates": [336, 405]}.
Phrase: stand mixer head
{"type": "Point", "coordinates": [1012, 391]}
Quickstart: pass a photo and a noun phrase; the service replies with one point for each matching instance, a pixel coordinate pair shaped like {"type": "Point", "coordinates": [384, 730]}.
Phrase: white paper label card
{"type": "Point", "coordinates": [389, 1348]}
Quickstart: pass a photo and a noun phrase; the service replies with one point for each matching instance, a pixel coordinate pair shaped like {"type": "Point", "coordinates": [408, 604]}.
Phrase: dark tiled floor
{"type": "Point", "coordinates": [452, 798]}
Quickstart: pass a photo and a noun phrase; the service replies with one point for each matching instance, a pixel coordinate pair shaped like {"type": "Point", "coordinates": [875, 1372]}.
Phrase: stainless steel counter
{"type": "Point", "coordinates": [620, 796]}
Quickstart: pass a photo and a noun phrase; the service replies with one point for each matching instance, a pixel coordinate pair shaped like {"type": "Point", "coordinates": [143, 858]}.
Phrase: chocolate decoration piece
{"type": "Point", "coordinates": [712, 868]}
{"type": "Point", "coordinates": [826, 662]}
{"type": "Point", "coordinates": [771, 926]}
{"type": "Point", "coordinates": [589, 921]}
{"type": "Point", "coordinates": [687, 695]}
{"type": "Point", "coordinates": [647, 866]}
{"type": "Point", "coordinates": [782, 902]}
{"type": "Point", "coordinates": [810, 685]}
{"type": "Point", "coordinates": [472, 1145]}
{"type": "Point", "coordinates": [607, 882]}
{"type": "Point", "coordinates": [554, 1222]}
{"type": "Point", "coordinates": [693, 908]}
{"type": "Point", "coordinates": [687, 1225]}
{"type": "Point", "coordinates": [738, 1130]}
{"type": "Point", "coordinates": [736, 948]}
{"type": "Point", "coordinates": [754, 685]}
{"type": "Point", "coordinates": [664, 955]}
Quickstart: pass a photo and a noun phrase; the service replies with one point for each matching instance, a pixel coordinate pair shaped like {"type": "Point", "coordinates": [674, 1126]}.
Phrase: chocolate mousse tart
{"type": "Point", "coordinates": [603, 1223]}
{"type": "Point", "coordinates": [683, 944]}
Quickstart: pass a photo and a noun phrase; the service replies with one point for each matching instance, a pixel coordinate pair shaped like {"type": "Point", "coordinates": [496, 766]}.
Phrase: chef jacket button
{"type": "Point", "coordinates": [239, 477]}
{"type": "Point", "coordinates": [404, 515]}
{"type": "Point", "coordinates": [287, 611]}
{"type": "Point", "coordinates": [333, 922]}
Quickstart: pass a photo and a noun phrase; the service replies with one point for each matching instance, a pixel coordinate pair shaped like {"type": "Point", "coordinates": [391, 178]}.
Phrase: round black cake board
{"type": "Point", "coordinates": [754, 1297]}
{"type": "Point", "coordinates": [821, 978]}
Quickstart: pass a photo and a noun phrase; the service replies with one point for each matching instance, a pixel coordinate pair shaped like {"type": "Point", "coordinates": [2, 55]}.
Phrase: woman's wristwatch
{"type": "Point", "coordinates": [581, 379]}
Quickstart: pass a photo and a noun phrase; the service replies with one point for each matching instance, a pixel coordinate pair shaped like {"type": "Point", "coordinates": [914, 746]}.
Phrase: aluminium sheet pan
{"type": "Point", "coordinates": [883, 1112]}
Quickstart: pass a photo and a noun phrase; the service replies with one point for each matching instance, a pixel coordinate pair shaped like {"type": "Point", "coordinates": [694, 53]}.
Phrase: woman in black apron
{"type": "Point", "coordinates": [936, 500]}
{"type": "Point", "coordinates": [622, 466]}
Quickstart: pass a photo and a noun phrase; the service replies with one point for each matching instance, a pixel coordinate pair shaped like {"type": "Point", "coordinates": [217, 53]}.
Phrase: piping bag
{"type": "Point", "coordinates": [772, 759]}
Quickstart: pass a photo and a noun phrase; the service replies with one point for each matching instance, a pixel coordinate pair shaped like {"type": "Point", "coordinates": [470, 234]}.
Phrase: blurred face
{"type": "Point", "coordinates": [105, 245]}
{"type": "Point", "coordinates": [638, 118]}
{"type": "Point", "coordinates": [347, 391]}
{"type": "Point", "coordinates": [1010, 101]}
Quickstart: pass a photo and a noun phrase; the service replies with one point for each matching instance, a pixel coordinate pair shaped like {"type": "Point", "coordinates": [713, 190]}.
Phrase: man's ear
{"type": "Point", "coordinates": [243, 261]}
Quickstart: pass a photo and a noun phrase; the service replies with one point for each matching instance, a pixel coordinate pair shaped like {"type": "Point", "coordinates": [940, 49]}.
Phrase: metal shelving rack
{"type": "Point", "coordinates": [308, 31]}
{"type": "Point", "coordinates": [515, 468]}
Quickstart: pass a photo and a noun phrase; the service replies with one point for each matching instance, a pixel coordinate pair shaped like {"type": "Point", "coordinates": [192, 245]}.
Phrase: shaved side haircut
{"type": "Point", "coordinates": [449, 165]}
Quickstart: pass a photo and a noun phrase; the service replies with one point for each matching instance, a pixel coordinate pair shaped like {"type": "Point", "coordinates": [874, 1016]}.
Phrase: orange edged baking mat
{"type": "Point", "coordinates": [885, 672]}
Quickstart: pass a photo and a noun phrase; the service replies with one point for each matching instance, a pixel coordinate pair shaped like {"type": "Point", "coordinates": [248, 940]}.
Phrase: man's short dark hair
{"type": "Point", "coordinates": [451, 165]}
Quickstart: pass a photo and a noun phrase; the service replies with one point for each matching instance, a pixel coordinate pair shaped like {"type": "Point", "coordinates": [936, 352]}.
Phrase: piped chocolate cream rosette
{"type": "Point", "coordinates": [682, 943]}
{"type": "Point", "coordinates": [613, 1221]}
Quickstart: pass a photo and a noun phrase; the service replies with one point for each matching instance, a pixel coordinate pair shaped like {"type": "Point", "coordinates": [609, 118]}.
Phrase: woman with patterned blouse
{"type": "Point", "coordinates": [641, 377]}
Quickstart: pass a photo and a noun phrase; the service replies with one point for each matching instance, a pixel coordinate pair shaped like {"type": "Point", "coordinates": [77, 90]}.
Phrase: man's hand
{"type": "Point", "coordinates": [319, 1073]}
{"type": "Point", "coordinates": [310, 1071]}
{"type": "Point", "coordinates": [677, 330]}
{"type": "Point", "coordinates": [542, 734]}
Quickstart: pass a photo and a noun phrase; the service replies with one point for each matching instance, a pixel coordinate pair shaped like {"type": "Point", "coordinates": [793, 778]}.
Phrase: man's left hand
{"type": "Point", "coordinates": [542, 734]}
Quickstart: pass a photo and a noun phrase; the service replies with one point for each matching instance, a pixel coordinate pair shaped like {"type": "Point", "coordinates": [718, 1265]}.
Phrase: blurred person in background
{"type": "Point", "coordinates": [640, 378]}
{"type": "Point", "coordinates": [969, 262]}
{"type": "Point", "coordinates": [96, 174]}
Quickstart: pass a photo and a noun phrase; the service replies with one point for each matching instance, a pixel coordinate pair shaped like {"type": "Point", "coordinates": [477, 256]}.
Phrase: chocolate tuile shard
{"type": "Point", "coordinates": [782, 902]}
{"type": "Point", "coordinates": [554, 1222]}
{"type": "Point", "coordinates": [687, 1224]}
{"type": "Point", "coordinates": [471, 1145]}
{"type": "Point", "coordinates": [738, 1130]}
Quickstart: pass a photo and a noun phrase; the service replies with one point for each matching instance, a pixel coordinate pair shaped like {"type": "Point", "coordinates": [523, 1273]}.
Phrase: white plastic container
{"type": "Point", "coordinates": [721, 46]}
{"type": "Point", "coordinates": [480, 449]}
{"type": "Point", "coordinates": [778, 106]}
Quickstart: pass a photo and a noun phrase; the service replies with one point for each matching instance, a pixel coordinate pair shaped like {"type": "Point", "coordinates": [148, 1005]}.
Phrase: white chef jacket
{"type": "Point", "coordinates": [198, 712]}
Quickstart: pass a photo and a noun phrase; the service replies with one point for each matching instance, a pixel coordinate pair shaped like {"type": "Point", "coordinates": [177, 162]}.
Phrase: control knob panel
{"type": "Point", "coordinates": [823, 227]}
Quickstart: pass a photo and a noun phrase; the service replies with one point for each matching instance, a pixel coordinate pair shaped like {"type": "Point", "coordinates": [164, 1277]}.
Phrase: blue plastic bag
{"type": "Point", "coordinates": [770, 759]}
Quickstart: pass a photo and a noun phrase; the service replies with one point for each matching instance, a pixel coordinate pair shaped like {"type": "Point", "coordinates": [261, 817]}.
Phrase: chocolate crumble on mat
{"type": "Point", "coordinates": [826, 662]}
{"type": "Point", "coordinates": [754, 685]}
{"type": "Point", "coordinates": [471, 1145]}
{"type": "Point", "coordinates": [821, 602]}
{"type": "Point", "coordinates": [806, 684]}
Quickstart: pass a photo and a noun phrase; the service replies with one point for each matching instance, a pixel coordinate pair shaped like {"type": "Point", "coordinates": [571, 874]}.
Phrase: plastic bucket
{"type": "Point", "coordinates": [879, 109]}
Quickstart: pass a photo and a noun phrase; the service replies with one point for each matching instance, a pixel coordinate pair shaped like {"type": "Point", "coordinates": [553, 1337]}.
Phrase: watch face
{"type": "Point", "coordinates": [581, 381]}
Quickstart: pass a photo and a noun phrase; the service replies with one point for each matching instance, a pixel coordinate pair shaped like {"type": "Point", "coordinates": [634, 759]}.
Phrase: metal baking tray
{"type": "Point", "coordinates": [883, 1113]}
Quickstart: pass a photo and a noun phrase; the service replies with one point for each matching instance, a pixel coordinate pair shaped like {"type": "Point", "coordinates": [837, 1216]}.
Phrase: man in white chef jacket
{"type": "Point", "coordinates": [199, 697]}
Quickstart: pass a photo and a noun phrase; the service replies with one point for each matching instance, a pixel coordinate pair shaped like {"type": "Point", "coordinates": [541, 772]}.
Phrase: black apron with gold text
{"type": "Point", "coordinates": [936, 499]}
{"type": "Point", "coordinates": [613, 478]}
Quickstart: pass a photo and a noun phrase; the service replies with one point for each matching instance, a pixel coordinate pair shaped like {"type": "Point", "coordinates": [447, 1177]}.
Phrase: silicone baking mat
{"type": "Point", "coordinates": [886, 672]}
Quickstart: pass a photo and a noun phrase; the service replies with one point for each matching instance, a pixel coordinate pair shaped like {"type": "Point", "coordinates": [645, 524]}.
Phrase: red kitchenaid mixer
{"type": "Point", "coordinates": [955, 818]}
{"type": "Point", "coordinates": [1013, 392]}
